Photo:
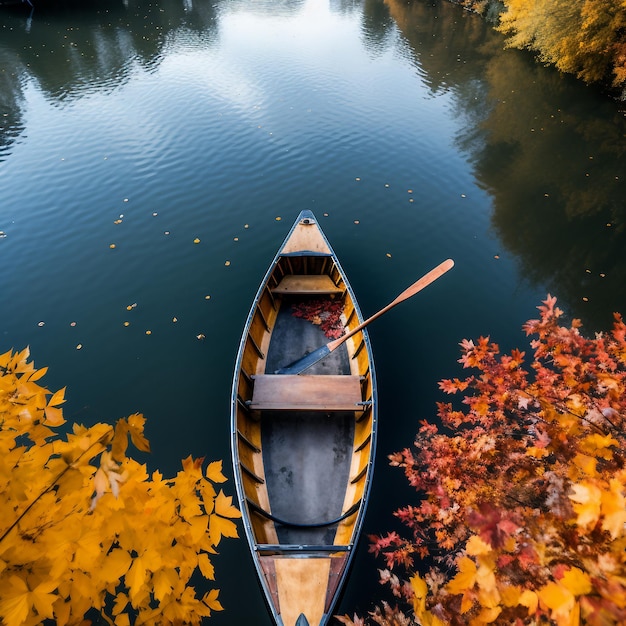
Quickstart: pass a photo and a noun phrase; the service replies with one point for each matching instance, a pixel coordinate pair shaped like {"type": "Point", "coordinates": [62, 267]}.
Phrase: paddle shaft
{"type": "Point", "coordinates": [297, 367]}
{"type": "Point", "coordinates": [409, 292]}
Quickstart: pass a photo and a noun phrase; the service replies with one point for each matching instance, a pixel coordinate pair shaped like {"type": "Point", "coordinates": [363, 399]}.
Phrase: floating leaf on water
{"type": "Point", "coordinates": [357, 178]}
{"type": "Point", "coordinates": [463, 195]}
{"type": "Point", "coordinates": [236, 239]}
{"type": "Point", "coordinates": [585, 299]}
{"type": "Point", "coordinates": [388, 255]}
{"type": "Point", "coordinates": [148, 332]}
{"type": "Point", "coordinates": [154, 214]}
{"type": "Point", "coordinates": [196, 240]}
{"type": "Point", "coordinates": [125, 199]}
{"type": "Point", "coordinates": [117, 222]}
{"type": "Point", "coordinates": [112, 246]}
{"type": "Point", "coordinates": [386, 184]}
{"type": "Point", "coordinates": [207, 297]}
{"type": "Point", "coordinates": [126, 323]}
{"type": "Point", "coordinates": [588, 271]}
{"type": "Point", "coordinates": [41, 324]}
{"type": "Point", "coordinates": [278, 218]}
{"type": "Point", "coordinates": [167, 232]}
{"type": "Point", "coordinates": [79, 346]}
{"type": "Point", "coordinates": [2, 234]}
{"type": "Point", "coordinates": [409, 191]}
{"type": "Point", "coordinates": [200, 337]}
{"type": "Point", "coordinates": [602, 275]}
{"type": "Point", "coordinates": [496, 256]}
{"type": "Point", "coordinates": [72, 323]}
{"type": "Point", "coordinates": [174, 319]}
{"type": "Point", "coordinates": [246, 226]}
{"type": "Point", "coordinates": [357, 222]}
{"type": "Point", "coordinates": [227, 263]}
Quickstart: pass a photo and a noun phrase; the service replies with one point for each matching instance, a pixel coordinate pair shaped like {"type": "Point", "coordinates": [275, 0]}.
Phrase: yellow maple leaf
{"type": "Point", "coordinates": [530, 600]}
{"type": "Point", "coordinates": [224, 506]}
{"type": "Point", "coordinates": [115, 565]}
{"type": "Point", "coordinates": [164, 580]}
{"type": "Point", "coordinates": [599, 445]}
{"type": "Point", "coordinates": [576, 581]}
{"type": "Point", "coordinates": [587, 501]}
{"type": "Point", "coordinates": [510, 595]}
{"type": "Point", "coordinates": [15, 604]}
{"type": "Point", "coordinates": [54, 416]}
{"type": "Point", "coordinates": [475, 546]}
{"type": "Point", "coordinates": [136, 424]}
{"type": "Point", "coordinates": [614, 508]}
{"type": "Point", "coordinates": [210, 599]}
{"type": "Point", "coordinates": [198, 526]}
{"type": "Point", "coordinates": [586, 463]}
{"type": "Point", "coordinates": [57, 398]}
{"type": "Point", "coordinates": [206, 567]}
{"type": "Point", "coordinates": [43, 598]}
{"type": "Point", "coordinates": [18, 601]}
{"type": "Point", "coordinates": [488, 594]}
{"type": "Point", "coordinates": [221, 527]}
{"type": "Point", "coordinates": [465, 577]}
{"type": "Point", "coordinates": [37, 374]}
{"type": "Point", "coordinates": [420, 591]}
{"type": "Point", "coordinates": [556, 597]}
{"type": "Point", "coordinates": [135, 578]}
{"type": "Point", "coordinates": [214, 472]}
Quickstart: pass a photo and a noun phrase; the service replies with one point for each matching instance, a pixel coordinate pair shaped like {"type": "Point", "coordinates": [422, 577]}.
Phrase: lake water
{"type": "Point", "coordinates": [129, 131]}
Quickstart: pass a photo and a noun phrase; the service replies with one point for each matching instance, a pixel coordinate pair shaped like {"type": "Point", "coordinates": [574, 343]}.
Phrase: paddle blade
{"type": "Point", "coordinates": [424, 281]}
{"type": "Point", "coordinates": [297, 367]}
{"type": "Point", "coordinates": [302, 620]}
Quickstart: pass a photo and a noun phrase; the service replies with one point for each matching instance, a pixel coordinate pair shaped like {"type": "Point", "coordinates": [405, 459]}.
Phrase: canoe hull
{"type": "Point", "coordinates": [303, 446]}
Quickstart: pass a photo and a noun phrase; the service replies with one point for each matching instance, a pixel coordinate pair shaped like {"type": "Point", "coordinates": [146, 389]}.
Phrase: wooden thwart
{"type": "Point", "coordinates": [307, 393]}
{"type": "Point", "coordinates": [306, 285]}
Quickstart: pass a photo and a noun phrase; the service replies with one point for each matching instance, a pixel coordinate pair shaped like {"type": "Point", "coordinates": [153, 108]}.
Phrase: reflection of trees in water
{"type": "Point", "coordinates": [550, 151]}
{"type": "Point", "coordinates": [72, 49]}
{"type": "Point", "coordinates": [11, 124]}
{"type": "Point", "coordinates": [555, 165]}
{"type": "Point", "coordinates": [377, 26]}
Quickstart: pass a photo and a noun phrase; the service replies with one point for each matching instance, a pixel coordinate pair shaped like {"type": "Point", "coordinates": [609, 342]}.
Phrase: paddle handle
{"type": "Point", "coordinates": [409, 292]}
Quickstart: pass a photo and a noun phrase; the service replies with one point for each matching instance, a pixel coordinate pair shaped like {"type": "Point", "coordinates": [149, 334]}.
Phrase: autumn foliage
{"type": "Point", "coordinates": [84, 528]}
{"type": "Point", "coordinates": [522, 513]}
{"type": "Point", "coordinates": [581, 37]}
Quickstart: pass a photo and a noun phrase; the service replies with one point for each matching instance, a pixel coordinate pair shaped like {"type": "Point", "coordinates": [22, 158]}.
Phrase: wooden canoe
{"type": "Point", "coordinates": [303, 445]}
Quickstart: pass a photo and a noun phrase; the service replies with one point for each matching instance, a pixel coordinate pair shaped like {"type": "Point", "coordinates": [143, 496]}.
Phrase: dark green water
{"type": "Point", "coordinates": [406, 128]}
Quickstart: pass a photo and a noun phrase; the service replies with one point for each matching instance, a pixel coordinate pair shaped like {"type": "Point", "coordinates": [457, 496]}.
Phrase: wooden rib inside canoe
{"type": "Point", "coordinates": [302, 445]}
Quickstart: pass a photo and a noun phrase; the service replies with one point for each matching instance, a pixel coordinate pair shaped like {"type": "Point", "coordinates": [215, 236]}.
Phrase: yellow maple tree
{"type": "Point", "coordinates": [83, 527]}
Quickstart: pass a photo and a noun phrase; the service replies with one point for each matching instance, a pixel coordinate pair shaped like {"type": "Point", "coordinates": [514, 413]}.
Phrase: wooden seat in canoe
{"type": "Point", "coordinates": [276, 392]}
{"type": "Point", "coordinates": [306, 285]}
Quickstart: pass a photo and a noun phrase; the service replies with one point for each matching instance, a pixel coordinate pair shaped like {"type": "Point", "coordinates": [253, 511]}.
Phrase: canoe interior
{"type": "Point", "coordinates": [303, 472]}
{"type": "Point", "coordinates": [306, 453]}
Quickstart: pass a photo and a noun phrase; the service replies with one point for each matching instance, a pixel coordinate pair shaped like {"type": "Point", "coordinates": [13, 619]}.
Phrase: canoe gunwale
{"type": "Point", "coordinates": [369, 406]}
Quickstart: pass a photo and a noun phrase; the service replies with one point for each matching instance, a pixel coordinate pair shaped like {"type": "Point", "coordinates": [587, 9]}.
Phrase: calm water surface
{"type": "Point", "coordinates": [406, 128]}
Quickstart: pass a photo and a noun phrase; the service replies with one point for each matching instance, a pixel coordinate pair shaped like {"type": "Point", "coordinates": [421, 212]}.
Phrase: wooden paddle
{"type": "Point", "coordinates": [297, 367]}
